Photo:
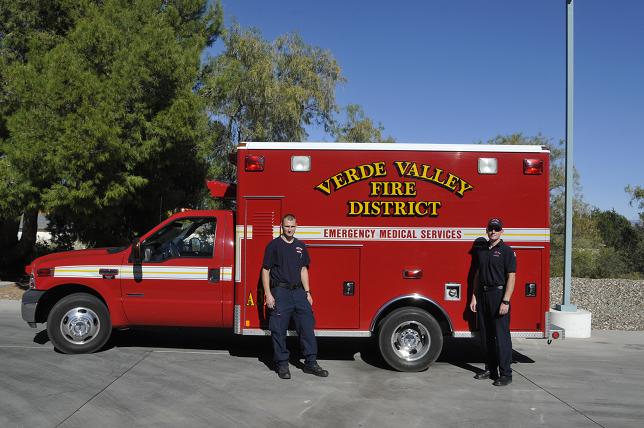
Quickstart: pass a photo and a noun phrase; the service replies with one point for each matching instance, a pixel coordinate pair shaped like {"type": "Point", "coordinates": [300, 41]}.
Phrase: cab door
{"type": "Point", "coordinates": [178, 281]}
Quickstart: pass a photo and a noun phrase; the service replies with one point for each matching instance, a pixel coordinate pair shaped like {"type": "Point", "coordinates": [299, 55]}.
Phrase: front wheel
{"type": "Point", "coordinates": [410, 339]}
{"type": "Point", "coordinates": [79, 324]}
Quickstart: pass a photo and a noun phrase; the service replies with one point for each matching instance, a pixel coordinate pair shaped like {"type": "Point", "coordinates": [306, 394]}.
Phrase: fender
{"type": "Point", "coordinates": [62, 289]}
{"type": "Point", "coordinates": [420, 301]}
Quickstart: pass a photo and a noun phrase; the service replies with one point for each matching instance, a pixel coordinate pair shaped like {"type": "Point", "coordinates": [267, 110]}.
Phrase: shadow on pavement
{"type": "Point", "coordinates": [259, 347]}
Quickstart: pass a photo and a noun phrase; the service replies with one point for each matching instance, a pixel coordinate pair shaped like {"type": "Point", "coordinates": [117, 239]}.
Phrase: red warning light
{"type": "Point", "coordinates": [254, 163]}
{"type": "Point", "coordinates": [532, 166]}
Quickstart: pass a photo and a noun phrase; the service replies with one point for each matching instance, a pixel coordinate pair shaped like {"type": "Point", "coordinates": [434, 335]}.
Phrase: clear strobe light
{"type": "Point", "coordinates": [300, 163]}
{"type": "Point", "coordinates": [488, 166]}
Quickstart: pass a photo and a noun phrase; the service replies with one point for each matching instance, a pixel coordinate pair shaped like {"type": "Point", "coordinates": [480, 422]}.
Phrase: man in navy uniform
{"type": "Point", "coordinates": [285, 277]}
{"type": "Point", "coordinates": [493, 287]}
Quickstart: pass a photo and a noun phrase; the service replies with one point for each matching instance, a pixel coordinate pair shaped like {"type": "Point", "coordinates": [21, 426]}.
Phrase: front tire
{"type": "Point", "coordinates": [79, 324]}
{"type": "Point", "coordinates": [410, 339]}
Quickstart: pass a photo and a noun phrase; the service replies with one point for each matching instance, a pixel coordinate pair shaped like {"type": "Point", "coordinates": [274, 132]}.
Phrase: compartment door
{"type": "Point", "coordinates": [334, 276]}
{"type": "Point", "coordinates": [260, 217]}
{"type": "Point", "coordinates": [527, 299]}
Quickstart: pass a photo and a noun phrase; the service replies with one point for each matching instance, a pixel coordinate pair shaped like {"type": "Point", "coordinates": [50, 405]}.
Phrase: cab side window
{"type": "Point", "coordinates": [192, 237]}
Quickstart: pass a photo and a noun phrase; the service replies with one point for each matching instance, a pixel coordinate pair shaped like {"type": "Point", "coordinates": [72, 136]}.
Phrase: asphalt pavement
{"type": "Point", "coordinates": [170, 377]}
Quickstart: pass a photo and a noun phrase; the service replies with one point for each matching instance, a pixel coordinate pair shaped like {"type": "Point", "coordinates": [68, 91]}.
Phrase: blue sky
{"type": "Point", "coordinates": [466, 71]}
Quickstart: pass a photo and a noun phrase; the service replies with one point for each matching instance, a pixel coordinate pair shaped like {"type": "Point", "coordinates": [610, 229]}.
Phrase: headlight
{"type": "Point", "coordinates": [32, 282]}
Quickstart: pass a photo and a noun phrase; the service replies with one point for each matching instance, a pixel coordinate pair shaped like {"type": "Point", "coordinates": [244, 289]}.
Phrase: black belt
{"type": "Point", "coordinates": [492, 287]}
{"type": "Point", "coordinates": [285, 285]}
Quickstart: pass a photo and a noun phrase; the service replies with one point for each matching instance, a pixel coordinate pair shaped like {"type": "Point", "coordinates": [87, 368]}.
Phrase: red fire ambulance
{"type": "Point", "coordinates": [391, 230]}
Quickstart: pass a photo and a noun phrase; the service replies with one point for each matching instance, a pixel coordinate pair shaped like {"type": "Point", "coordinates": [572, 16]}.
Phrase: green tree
{"type": "Point", "coordinates": [27, 28]}
{"type": "Point", "coordinates": [620, 235]}
{"type": "Point", "coordinates": [103, 126]}
{"type": "Point", "coordinates": [266, 91]}
{"type": "Point", "coordinates": [359, 129]}
{"type": "Point", "coordinates": [615, 229]}
{"type": "Point", "coordinates": [637, 197]}
{"type": "Point", "coordinates": [604, 262]}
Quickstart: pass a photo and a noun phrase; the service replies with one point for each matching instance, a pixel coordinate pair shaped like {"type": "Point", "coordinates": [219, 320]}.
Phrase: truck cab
{"type": "Point", "coordinates": [177, 274]}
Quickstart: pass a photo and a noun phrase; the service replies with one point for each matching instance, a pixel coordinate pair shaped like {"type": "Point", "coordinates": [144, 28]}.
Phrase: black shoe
{"type": "Point", "coordinates": [284, 372]}
{"type": "Point", "coordinates": [482, 375]}
{"type": "Point", "coordinates": [503, 381]}
{"type": "Point", "coordinates": [316, 370]}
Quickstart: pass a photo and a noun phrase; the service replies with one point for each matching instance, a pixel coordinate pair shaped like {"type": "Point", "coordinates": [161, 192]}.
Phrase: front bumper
{"type": "Point", "coordinates": [29, 305]}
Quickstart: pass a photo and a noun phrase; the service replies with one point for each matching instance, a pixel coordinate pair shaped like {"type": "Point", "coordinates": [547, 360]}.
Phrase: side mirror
{"type": "Point", "coordinates": [135, 255]}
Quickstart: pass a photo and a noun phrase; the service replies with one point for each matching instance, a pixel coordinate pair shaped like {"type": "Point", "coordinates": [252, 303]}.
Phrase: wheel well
{"type": "Point", "coordinates": [53, 295]}
{"type": "Point", "coordinates": [417, 302]}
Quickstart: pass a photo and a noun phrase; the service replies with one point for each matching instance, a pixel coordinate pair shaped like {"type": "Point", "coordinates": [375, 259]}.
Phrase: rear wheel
{"type": "Point", "coordinates": [79, 324]}
{"type": "Point", "coordinates": [410, 339]}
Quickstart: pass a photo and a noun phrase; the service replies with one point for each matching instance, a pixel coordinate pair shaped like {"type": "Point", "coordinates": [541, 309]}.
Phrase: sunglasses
{"type": "Point", "coordinates": [494, 229]}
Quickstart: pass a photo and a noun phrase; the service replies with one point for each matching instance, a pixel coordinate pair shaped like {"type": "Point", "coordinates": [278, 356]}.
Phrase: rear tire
{"type": "Point", "coordinates": [79, 324]}
{"type": "Point", "coordinates": [410, 339]}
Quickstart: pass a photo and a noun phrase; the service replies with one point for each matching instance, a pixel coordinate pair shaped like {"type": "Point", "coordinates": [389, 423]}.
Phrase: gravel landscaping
{"type": "Point", "coordinates": [615, 304]}
{"type": "Point", "coordinates": [11, 290]}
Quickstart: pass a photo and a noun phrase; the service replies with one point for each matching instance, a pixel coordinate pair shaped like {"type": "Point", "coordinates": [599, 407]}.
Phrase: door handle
{"type": "Point", "coordinates": [348, 288]}
{"type": "Point", "coordinates": [108, 273]}
{"type": "Point", "coordinates": [531, 289]}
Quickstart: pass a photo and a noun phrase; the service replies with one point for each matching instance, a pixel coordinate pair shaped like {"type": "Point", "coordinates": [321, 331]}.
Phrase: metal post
{"type": "Point", "coordinates": [567, 280]}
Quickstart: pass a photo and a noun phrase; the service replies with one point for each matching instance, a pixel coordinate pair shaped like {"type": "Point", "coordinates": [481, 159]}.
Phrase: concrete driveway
{"type": "Point", "coordinates": [207, 378]}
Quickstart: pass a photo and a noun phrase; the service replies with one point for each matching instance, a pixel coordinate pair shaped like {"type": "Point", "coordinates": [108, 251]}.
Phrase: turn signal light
{"type": "Point", "coordinates": [254, 163]}
{"type": "Point", "coordinates": [45, 272]}
{"type": "Point", "coordinates": [532, 166]}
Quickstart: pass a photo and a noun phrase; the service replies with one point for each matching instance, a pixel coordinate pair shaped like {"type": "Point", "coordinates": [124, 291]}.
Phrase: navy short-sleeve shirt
{"type": "Point", "coordinates": [495, 263]}
{"type": "Point", "coordinates": [285, 260]}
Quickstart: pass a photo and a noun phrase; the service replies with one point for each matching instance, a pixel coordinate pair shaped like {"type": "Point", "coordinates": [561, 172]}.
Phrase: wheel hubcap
{"type": "Point", "coordinates": [410, 341]}
{"type": "Point", "coordinates": [80, 325]}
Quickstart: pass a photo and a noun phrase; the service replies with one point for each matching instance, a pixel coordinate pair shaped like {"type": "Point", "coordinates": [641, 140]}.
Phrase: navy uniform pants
{"type": "Point", "coordinates": [495, 331]}
{"type": "Point", "coordinates": [292, 304]}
